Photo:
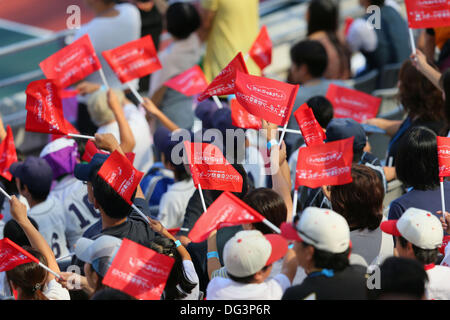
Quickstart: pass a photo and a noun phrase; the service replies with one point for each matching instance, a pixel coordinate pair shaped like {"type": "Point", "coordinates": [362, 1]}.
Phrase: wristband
{"type": "Point", "coordinates": [178, 243]}
{"type": "Point", "coordinates": [271, 143]}
{"type": "Point", "coordinates": [212, 254]}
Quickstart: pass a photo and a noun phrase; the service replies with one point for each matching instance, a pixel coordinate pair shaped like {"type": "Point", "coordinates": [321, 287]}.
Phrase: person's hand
{"type": "Point", "coordinates": [445, 221]}
{"type": "Point", "coordinates": [113, 100]}
{"type": "Point", "coordinates": [373, 122]}
{"type": "Point", "coordinates": [106, 141]}
{"type": "Point", "coordinates": [419, 60]}
{"type": "Point", "coordinates": [271, 129]}
{"type": "Point", "coordinates": [282, 154]}
{"type": "Point", "coordinates": [18, 210]}
{"type": "Point", "coordinates": [2, 130]}
{"type": "Point", "coordinates": [184, 240]}
{"type": "Point", "coordinates": [159, 228]}
{"type": "Point", "coordinates": [86, 87]}
{"type": "Point", "coordinates": [150, 106]}
{"type": "Point", "coordinates": [71, 280]}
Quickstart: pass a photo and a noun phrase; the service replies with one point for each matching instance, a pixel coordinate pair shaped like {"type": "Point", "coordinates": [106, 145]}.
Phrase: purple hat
{"type": "Point", "coordinates": [61, 154]}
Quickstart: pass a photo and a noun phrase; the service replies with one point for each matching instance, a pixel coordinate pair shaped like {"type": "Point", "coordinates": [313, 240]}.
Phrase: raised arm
{"type": "Point", "coordinates": [127, 139]}
{"type": "Point", "coordinates": [37, 241]}
{"type": "Point", "coordinates": [207, 16]}
{"type": "Point", "coordinates": [419, 60]}
{"type": "Point", "coordinates": [213, 263]}
{"type": "Point", "coordinates": [153, 110]}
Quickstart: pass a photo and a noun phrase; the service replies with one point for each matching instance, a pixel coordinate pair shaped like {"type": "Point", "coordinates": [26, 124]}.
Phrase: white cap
{"type": "Point", "coordinates": [99, 253]}
{"type": "Point", "coordinates": [324, 229]}
{"type": "Point", "coordinates": [247, 252]}
{"type": "Point", "coordinates": [57, 145]}
{"type": "Point", "coordinates": [419, 227]}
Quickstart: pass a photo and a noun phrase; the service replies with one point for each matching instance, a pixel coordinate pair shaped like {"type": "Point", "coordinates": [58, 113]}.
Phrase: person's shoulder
{"type": "Point", "coordinates": [298, 292]}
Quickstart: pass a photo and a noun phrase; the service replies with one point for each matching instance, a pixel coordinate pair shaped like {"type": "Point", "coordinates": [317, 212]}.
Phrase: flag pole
{"type": "Point", "coordinates": [102, 75]}
{"type": "Point", "coordinates": [442, 197]}
{"type": "Point", "coordinates": [283, 133]}
{"type": "Point", "coordinates": [5, 193]}
{"type": "Point", "coordinates": [294, 203]}
{"type": "Point", "coordinates": [202, 198]}
{"type": "Point", "coordinates": [74, 135]}
{"type": "Point", "coordinates": [290, 130]}
{"type": "Point", "coordinates": [136, 94]}
{"type": "Point", "coordinates": [271, 225]}
{"type": "Point", "coordinates": [411, 40]}
{"type": "Point", "coordinates": [140, 212]}
{"type": "Point", "coordinates": [50, 270]}
{"type": "Point", "coordinates": [218, 102]}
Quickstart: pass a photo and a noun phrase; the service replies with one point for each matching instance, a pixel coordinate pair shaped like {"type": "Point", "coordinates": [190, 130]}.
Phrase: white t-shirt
{"type": "Point", "coordinates": [254, 165]}
{"type": "Point", "coordinates": [54, 291]}
{"type": "Point", "coordinates": [142, 136]}
{"type": "Point", "coordinates": [226, 289]}
{"type": "Point", "coordinates": [107, 33]}
{"type": "Point", "coordinates": [63, 188]}
{"type": "Point", "coordinates": [174, 203]}
{"type": "Point", "coordinates": [178, 57]}
{"type": "Point", "coordinates": [361, 36]}
{"type": "Point", "coordinates": [192, 276]}
{"type": "Point", "coordinates": [79, 213]}
{"type": "Point", "coordinates": [438, 286]}
{"type": "Point", "coordinates": [49, 215]}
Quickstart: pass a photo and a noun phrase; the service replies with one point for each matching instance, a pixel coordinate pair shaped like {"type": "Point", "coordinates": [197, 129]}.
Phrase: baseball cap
{"type": "Point", "coordinates": [99, 252]}
{"type": "Point", "coordinates": [324, 229]}
{"type": "Point", "coordinates": [418, 226]}
{"type": "Point", "coordinates": [35, 173]}
{"type": "Point", "coordinates": [61, 154]}
{"type": "Point", "coordinates": [83, 171]}
{"type": "Point", "coordinates": [247, 252]}
{"type": "Point", "coordinates": [221, 119]}
{"type": "Point", "coordinates": [343, 128]}
{"type": "Point", "coordinates": [204, 111]}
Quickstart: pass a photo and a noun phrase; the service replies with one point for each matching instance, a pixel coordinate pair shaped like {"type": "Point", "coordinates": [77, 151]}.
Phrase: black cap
{"type": "Point", "coordinates": [83, 171]}
{"type": "Point", "coordinates": [343, 128]}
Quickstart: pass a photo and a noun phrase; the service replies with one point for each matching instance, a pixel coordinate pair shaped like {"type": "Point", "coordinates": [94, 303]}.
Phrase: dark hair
{"type": "Point", "coordinates": [444, 82]}
{"type": "Point", "coordinates": [30, 277]}
{"type": "Point", "coordinates": [14, 232]}
{"type": "Point", "coordinates": [323, 16]}
{"type": "Point", "coordinates": [322, 109]}
{"type": "Point", "coordinates": [419, 97]}
{"type": "Point", "coordinates": [247, 279]}
{"type": "Point", "coordinates": [38, 196]}
{"type": "Point", "coordinates": [361, 201]}
{"type": "Point", "coordinates": [182, 19]}
{"type": "Point", "coordinates": [400, 278]}
{"type": "Point", "coordinates": [416, 161]}
{"type": "Point", "coordinates": [109, 200]}
{"type": "Point", "coordinates": [270, 205]}
{"type": "Point", "coordinates": [379, 3]}
{"type": "Point", "coordinates": [177, 278]}
{"type": "Point", "coordinates": [328, 260]}
{"type": "Point", "coordinates": [108, 293]}
{"type": "Point", "coordinates": [311, 53]}
{"type": "Point", "coordinates": [425, 256]}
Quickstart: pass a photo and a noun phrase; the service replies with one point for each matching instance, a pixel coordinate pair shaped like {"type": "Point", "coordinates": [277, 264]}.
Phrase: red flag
{"type": "Point", "coordinates": [427, 14]}
{"type": "Point", "coordinates": [8, 154]}
{"type": "Point", "coordinates": [134, 59]}
{"type": "Point", "coordinates": [210, 168]}
{"type": "Point", "coordinates": [139, 271]}
{"type": "Point", "coordinates": [120, 174]}
{"type": "Point", "coordinates": [326, 164]}
{"type": "Point", "coordinates": [90, 150]}
{"type": "Point", "coordinates": [348, 22]}
{"type": "Point", "coordinates": [350, 103]}
{"type": "Point", "coordinates": [241, 118]}
{"type": "Point", "coordinates": [72, 63]}
{"type": "Point", "coordinates": [11, 255]}
{"type": "Point", "coordinates": [44, 108]}
{"type": "Point", "coordinates": [269, 99]}
{"type": "Point", "coordinates": [190, 82]}
{"type": "Point", "coordinates": [311, 130]}
{"type": "Point", "coordinates": [443, 146]}
{"type": "Point", "coordinates": [261, 50]}
{"type": "Point", "coordinates": [223, 84]}
{"type": "Point", "coordinates": [228, 210]}
{"type": "Point", "coordinates": [69, 128]}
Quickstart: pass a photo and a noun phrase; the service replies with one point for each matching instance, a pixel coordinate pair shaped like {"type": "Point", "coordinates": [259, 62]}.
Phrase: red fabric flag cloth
{"type": "Point", "coordinates": [190, 82]}
{"type": "Point", "coordinates": [228, 210]}
{"type": "Point", "coordinates": [8, 154]}
{"type": "Point", "coordinates": [72, 63]}
{"type": "Point", "coordinates": [69, 128]}
{"type": "Point", "coordinates": [120, 174]}
{"type": "Point", "coordinates": [327, 164]}
{"type": "Point", "coordinates": [350, 103]}
{"type": "Point", "coordinates": [427, 13]}
{"type": "Point", "coordinates": [11, 255]}
{"type": "Point", "coordinates": [261, 50]}
{"type": "Point", "coordinates": [311, 130]}
{"type": "Point", "coordinates": [44, 108]}
{"type": "Point", "coordinates": [241, 118]}
{"type": "Point", "coordinates": [224, 83]}
{"type": "Point", "coordinates": [269, 99]}
{"type": "Point", "coordinates": [443, 146]}
{"type": "Point", "coordinates": [139, 271]}
{"type": "Point", "coordinates": [134, 59]}
{"type": "Point", "coordinates": [90, 150]}
{"type": "Point", "coordinates": [348, 22]}
{"type": "Point", "coordinates": [211, 169]}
